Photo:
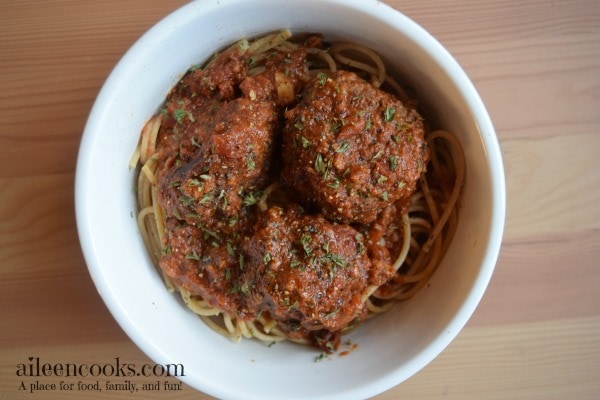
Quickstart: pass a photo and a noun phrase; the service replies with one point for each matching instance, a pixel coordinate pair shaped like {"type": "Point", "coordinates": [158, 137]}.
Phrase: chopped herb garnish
{"type": "Point", "coordinates": [389, 113]}
{"type": "Point", "coordinates": [192, 256]}
{"type": "Point", "coordinates": [244, 289]}
{"type": "Point", "coordinates": [359, 240]}
{"type": "Point", "coordinates": [230, 250]}
{"type": "Point", "coordinates": [319, 164]}
{"type": "Point", "coordinates": [382, 178]}
{"type": "Point", "coordinates": [250, 200]}
{"type": "Point", "coordinates": [267, 258]}
{"type": "Point", "coordinates": [335, 184]}
{"type": "Point", "coordinates": [320, 357]}
{"type": "Point", "coordinates": [336, 125]}
{"type": "Point", "coordinates": [322, 166]}
{"type": "Point", "coordinates": [208, 233]}
{"type": "Point", "coordinates": [186, 200]}
{"type": "Point", "coordinates": [344, 146]}
{"type": "Point", "coordinates": [393, 160]}
{"type": "Point", "coordinates": [179, 114]}
{"type": "Point", "coordinates": [336, 259]}
{"type": "Point", "coordinates": [233, 290]}
{"type": "Point", "coordinates": [305, 241]}
{"type": "Point", "coordinates": [207, 197]}
{"type": "Point", "coordinates": [222, 196]}
{"type": "Point", "coordinates": [305, 142]}
{"type": "Point", "coordinates": [322, 77]}
{"type": "Point", "coordinates": [250, 164]}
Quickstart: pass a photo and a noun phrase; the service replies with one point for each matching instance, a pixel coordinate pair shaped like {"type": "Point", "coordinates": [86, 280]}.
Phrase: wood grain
{"type": "Point", "coordinates": [536, 64]}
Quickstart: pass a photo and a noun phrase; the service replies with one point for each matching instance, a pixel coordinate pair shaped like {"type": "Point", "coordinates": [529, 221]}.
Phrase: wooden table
{"type": "Point", "coordinates": [536, 64]}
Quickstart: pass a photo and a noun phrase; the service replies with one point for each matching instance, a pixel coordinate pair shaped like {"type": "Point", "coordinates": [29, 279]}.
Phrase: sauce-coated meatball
{"type": "Point", "coordinates": [308, 273]}
{"type": "Point", "coordinates": [351, 149]}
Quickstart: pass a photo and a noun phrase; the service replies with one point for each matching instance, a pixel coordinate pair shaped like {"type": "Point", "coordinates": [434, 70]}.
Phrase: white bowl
{"type": "Point", "coordinates": [391, 347]}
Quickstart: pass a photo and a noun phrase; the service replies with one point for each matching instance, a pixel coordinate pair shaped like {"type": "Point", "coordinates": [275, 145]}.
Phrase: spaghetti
{"type": "Point", "coordinates": [194, 214]}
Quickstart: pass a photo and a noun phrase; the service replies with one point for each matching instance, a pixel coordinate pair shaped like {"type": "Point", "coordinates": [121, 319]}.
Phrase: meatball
{"type": "Point", "coordinates": [384, 240]}
{"type": "Point", "coordinates": [231, 157]}
{"type": "Point", "coordinates": [350, 149]}
{"type": "Point", "coordinates": [220, 77]}
{"type": "Point", "coordinates": [308, 273]}
{"type": "Point", "coordinates": [199, 261]}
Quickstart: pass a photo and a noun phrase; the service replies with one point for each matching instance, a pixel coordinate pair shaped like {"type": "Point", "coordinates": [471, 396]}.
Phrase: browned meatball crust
{"type": "Point", "coordinates": [351, 149]}
{"type": "Point", "coordinates": [232, 152]}
{"type": "Point", "coordinates": [308, 273]}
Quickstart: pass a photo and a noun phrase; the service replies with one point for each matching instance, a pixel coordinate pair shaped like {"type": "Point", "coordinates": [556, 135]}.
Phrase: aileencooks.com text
{"type": "Point", "coordinates": [34, 367]}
